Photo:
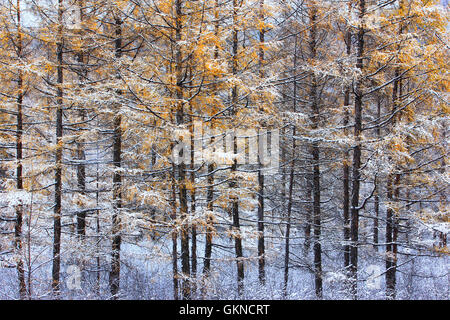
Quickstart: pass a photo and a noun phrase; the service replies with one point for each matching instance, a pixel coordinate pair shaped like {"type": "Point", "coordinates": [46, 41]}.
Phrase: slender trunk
{"type": "Point", "coordinates": [97, 198]}
{"type": "Point", "coordinates": [288, 217]}
{"type": "Point", "coordinates": [209, 219]}
{"type": "Point", "coordinates": [391, 215]}
{"type": "Point", "coordinates": [194, 243]}
{"type": "Point", "coordinates": [28, 242]}
{"type": "Point", "coordinates": [315, 152]}
{"type": "Point", "coordinates": [283, 165]}
{"type": "Point", "coordinates": [443, 193]}
{"type": "Point", "coordinates": [261, 249]}
{"type": "Point", "coordinates": [81, 168]}
{"type": "Point", "coordinates": [233, 183]}
{"type": "Point", "coordinates": [238, 247]}
{"type": "Point", "coordinates": [356, 166]}
{"type": "Point", "coordinates": [377, 215]}
{"type": "Point", "coordinates": [59, 149]}
{"type": "Point", "coordinates": [346, 207]}
{"type": "Point", "coordinates": [395, 228]}
{"type": "Point", "coordinates": [346, 168]}
{"type": "Point", "coordinates": [210, 189]}
{"type": "Point", "coordinates": [389, 227]}
{"type": "Point", "coordinates": [377, 191]}
{"type": "Point", "coordinates": [193, 206]}
{"type": "Point", "coordinates": [182, 190]}
{"type": "Point", "coordinates": [394, 191]}
{"type": "Point", "coordinates": [317, 226]}
{"type": "Point", "coordinates": [291, 183]}
{"type": "Point", "coordinates": [114, 275]}
{"type": "Point", "coordinates": [153, 210]}
{"type": "Point", "coordinates": [174, 237]}
{"type": "Point", "coordinates": [19, 177]}
{"type": "Point", "coordinates": [309, 213]}
{"type": "Point", "coordinates": [81, 182]}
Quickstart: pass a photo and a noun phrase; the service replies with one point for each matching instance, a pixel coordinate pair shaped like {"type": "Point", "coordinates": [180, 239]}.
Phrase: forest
{"type": "Point", "coordinates": [224, 149]}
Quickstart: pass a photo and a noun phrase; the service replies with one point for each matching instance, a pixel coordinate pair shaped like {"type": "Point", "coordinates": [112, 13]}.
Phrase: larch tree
{"type": "Point", "coordinates": [144, 133]}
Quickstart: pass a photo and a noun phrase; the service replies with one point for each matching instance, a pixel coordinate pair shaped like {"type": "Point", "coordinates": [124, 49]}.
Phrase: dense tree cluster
{"type": "Point", "coordinates": [175, 149]}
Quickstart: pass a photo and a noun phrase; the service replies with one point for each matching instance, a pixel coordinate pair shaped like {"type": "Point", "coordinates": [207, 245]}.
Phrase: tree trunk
{"type": "Point", "coordinates": [114, 275]}
{"type": "Point", "coordinates": [174, 237]}
{"type": "Point", "coordinates": [377, 191]}
{"type": "Point", "coordinates": [390, 287]}
{"type": "Point", "coordinates": [356, 166]}
{"type": "Point", "coordinates": [346, 168]}
{"type": "Point", "coordinates": [391, 215]}
{"type": "Point", "coordinates": [182, 191]}
{"type": "Point", "coordinates": [315, 152]}
{"type": "Point", "coordinates": [394, 192]}
{"type": "Point", "coordinates": [81, 167]}
{"type": "Point", "coordinates": [19, 177]}
{"type": "Point", "coordinates": [261, 249]}
{"type": "Point", "coordinates": [209, 218]}
{"type": "Point", "coordinates": [209, 226]}
{"type": "Point", "coordinates": [193, 205]}
{"type": "Point", "coordinates": [291, 183]}
{"type": "Point", "coordinates": [210, 189]}
{"type": "Point", "coordinates": [58, 162]}
{"type": "Point", "coordinates": [233, 183]}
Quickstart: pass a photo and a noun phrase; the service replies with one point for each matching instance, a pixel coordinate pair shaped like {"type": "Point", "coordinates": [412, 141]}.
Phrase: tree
{"type": "Point", "coordinates": [140, 132]}
{"type": "Point", "coordinates": [356, 166]}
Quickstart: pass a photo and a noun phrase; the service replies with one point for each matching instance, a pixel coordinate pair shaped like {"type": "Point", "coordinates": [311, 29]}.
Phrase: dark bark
{"type": "Point", "coordinates": [233, 183]}
{"type": "Point", "coordinates": [174, 237]}
{"type": "Point", "coordinates": [394, 188]}
{"type": "Point", "coordinates": [377, 191]}
{"type": "Point", "coordinates": [81, 182]}
{"type": "Point", "coordinates": [114, 275]}
{"type": "Point", "coordinates": [391, 215]}
{"type": "Point", "coordinates": [97, 220]}
{"type": "Point", "coordinates": [346, 167]}
{"type": "Point", "coordinates": [209, 220]}
{"type": "Point", "coordinates": [261, 248]}
{"type": "Point", "coordinates": [317, 226]}
{"type": "Point", "coordinates": [193, 206]}
{"type": "Point", "coordinates": [288, 217]}
{"type": "Point", "coordinates": [211, 167]}
{"type": "Point", "coordinates": [356, 165]}
{"type": "Point", "coordinates": [19, 156]}
{"type": "Point", "coordinates": [81, 167]}
{"type": "Point", "coordinates": [56, 265]}
{"type": "Point", "coordinates": [209, 226]}
{"type": "Point", "coordinates": [315, 152]}
{"type": "Point", "coordinates": [390, 288]}
{"type": "Point", "coordinates": [182, 191]}
{"type": "Point", "coordinates": [291, 184]}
